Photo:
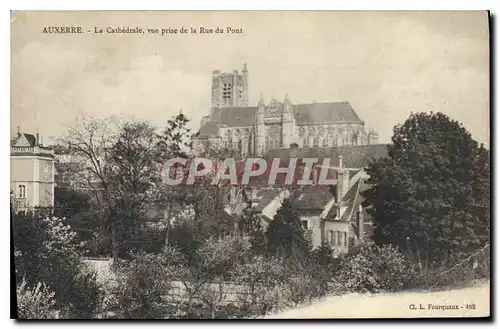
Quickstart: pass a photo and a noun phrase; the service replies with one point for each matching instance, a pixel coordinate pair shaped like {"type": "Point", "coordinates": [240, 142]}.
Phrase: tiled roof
{"type": "Point", "coordinates": [355, 156]}
{"type": "Point", "coordinates": [265, 196]}
{"type": "Point", "coordinates": [311, 198]}
{"type": "Point", "coordinates": [235, 116]}
{"type": "Point", "coordinates": [208, 130]}
{"type": "Point", "coordinates": [337, 112]}
{"type": "Point", "coordinates": [313, 113]}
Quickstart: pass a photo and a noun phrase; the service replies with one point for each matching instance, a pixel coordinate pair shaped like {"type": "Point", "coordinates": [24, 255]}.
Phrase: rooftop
{"type": "Point", "coordinates": [310, 113]}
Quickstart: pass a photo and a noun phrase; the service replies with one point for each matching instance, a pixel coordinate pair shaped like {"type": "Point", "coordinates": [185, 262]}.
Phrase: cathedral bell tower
{"type": "Point", "coordinates": [230, 89]}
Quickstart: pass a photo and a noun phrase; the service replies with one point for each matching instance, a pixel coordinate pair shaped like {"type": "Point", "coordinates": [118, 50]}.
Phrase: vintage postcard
{"type": "Point", "coordinates": [250, 165]}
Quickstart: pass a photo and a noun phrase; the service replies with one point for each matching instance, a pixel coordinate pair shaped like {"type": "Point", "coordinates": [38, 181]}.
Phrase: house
{"type": "Point", "coordinates": [31, 172]}
{"type": "Point", "coordinates": [330, 214]}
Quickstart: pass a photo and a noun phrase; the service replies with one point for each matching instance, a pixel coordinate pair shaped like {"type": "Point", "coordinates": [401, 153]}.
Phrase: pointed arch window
{"type": "Point", "coordinates": [316, 141]}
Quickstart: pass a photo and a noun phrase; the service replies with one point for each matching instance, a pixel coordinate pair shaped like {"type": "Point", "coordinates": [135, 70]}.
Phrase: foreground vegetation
{"type": "Point", "coordinates": [429, 203]}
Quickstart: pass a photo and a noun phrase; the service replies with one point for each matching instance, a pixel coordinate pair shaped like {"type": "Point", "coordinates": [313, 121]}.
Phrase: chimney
{"type": "Point", "coordinates": [37, 142]}
{"type": "Point", "coordinates": [18, 131]}
{"type": "Point", "coordinates": [342, 181]}
{"type": "Point", "coordinates": [361, 224]}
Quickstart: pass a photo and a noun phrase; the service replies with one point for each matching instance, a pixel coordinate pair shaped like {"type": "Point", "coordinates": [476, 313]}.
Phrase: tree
{"type": "Point", "coordinates": [134, 180]}
{"type": "Point", "coordinates": [75, 206]}
{"type": "Point", "coordinates": [285, 235]}
{"type": "Point", "coordinates": [251, 225]}
{"type": "Point", "coordinates": [69, 202]}
{"type": "Point", "coordinates": [89, 141]}
{"type": "Point", "coordinates": [119, 167]}
{"type": "Point", "coordinates": [430, 195]}
{"type": "Point", "coordinates": [177, 139]}
{"type": "Point", "coordinates": [46, 253]}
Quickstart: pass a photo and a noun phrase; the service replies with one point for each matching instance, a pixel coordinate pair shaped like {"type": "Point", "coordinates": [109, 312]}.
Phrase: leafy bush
{"type": "Point", "coordinates": [373, 269]}
{"type": "Point", "coordinates": [86, 293]}
{"type": "Point", "coordinates": [142, 286]}
{"type": "Point", "coordinates": [35, 303]}
{"type": "Point", "coordinates": [262, 285]}
{"type": "Point", "coordinates": [219, 256]}
{"type": "Point", "coordinates": [322, 268]}
{"type": "Point", "coordinates": [46, 251]}
{"type": "Point", "coordinates": [298, 289]}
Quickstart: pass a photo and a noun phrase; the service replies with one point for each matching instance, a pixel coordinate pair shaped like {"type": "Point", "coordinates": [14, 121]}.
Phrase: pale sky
{"type": "Point", "coordinates": [386, 64]}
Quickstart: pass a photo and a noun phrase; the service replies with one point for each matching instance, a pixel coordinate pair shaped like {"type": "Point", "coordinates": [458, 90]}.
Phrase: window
{"type": "Point", "coordinates": [272, 144]}
{"type": "Point", "coordinates": [332, 237]}
{"type": "Point", "coordinates": [339, 238]}
{"type": "Point", "coordinates": [45, 167]}
{"type": "Point", "coordinates": [21, 191]}
{"type": "Point", "coordinates": [305, 224]}
{"type": "Point", "coordinates": [311, 140]}
{"type": "Point", "coordinates": [226, 91]}
{"type": "Point", "coordinates": [344, 234]}
{"type": "Point", "coordinates": [316, 141]}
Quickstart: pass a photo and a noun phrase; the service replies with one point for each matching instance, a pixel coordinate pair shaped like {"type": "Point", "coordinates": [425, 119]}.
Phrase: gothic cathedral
{"type": "Point", "coordinates": [255, 130]}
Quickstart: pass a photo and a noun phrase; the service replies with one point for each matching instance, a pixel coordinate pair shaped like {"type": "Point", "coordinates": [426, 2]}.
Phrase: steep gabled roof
{"type": "Point", "coordinates": [333, 112]}
{"type": "Point", "coordinates": [311, 198]}
{"type": "Point", "coordinates": [313, 113]}
{"type": "Point", "coordinates": [24, 140]}
{"type": "Point", "coordinates": [235, 116]}
{"type": "Point", "coordinates": [210, 129]}
{"type": "Point", "coordinates": [265, 196]}
{"type": "Point", "coordinates": [31, 139]}
{"type": "Point", "coordinates": [354, 156]}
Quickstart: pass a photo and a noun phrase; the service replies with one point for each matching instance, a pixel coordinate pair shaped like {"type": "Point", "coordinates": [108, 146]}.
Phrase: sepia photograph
{"type": "Point", "coordinates": [250, 165]}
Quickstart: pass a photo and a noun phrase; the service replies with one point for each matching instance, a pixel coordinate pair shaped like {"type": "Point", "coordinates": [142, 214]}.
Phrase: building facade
{"type": "Point", "coordinates": [32, 173]}
{"type": "Point", "coordinates": [331, 215]}
{"type": "Point", "coordinates": [257, 129]}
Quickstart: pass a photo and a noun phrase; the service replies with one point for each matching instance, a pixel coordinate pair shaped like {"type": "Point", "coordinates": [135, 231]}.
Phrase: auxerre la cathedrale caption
{"type": "Point", "coordinates": [139, 30]}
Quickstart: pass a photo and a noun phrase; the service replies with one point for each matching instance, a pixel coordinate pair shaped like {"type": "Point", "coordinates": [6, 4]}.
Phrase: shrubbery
{"type": "Point", "coordinates": [373, 269]}
{"type": "Point", "coordinates": [140, 287]}
{"type": "Point", "coordinates": [35, 303]}
{"type": "Point", "coordinates": [46, 251]}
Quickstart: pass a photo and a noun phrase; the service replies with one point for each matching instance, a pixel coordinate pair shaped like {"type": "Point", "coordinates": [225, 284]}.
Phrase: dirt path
{"type": "Point", "coordinates": [472, 301]}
